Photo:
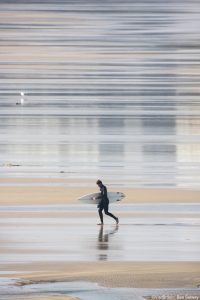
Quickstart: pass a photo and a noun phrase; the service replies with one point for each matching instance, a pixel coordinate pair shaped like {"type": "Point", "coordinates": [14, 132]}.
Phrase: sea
{"type": "Point", "coordinates": [101, 89]}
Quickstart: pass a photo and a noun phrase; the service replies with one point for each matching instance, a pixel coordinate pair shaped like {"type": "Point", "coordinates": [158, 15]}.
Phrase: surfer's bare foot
{"type": "Point", "coordinates": [101, 224]}
{"type": "Point", "coordinates": [117, 221]}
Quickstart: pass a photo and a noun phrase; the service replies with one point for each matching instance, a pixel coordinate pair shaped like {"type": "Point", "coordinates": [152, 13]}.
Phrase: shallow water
{"type": "Point", "coordinates": [111, 91]}
{"type": "Point", "coordinates": [90, 291]}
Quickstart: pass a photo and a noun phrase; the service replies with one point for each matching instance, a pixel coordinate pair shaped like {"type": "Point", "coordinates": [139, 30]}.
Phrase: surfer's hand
{"type": "Point", "coordinates": [94, 198]}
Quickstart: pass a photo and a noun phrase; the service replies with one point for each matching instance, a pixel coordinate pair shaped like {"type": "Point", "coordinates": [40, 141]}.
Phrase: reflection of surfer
{"type": "Point", "coordinates": [104, 203]}
{"type": "Point", "coordinates": [104, 238]}
{"type": "Point", "coordinates": [103, 241]}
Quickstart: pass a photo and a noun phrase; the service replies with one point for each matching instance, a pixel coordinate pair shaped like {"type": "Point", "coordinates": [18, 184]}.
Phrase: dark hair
{"type": "Point", "coordinates": [99, 182]}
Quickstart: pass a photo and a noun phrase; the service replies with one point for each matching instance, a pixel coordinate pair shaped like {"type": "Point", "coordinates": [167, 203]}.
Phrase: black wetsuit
{"type": "Point", "coordinates": [104, 204]}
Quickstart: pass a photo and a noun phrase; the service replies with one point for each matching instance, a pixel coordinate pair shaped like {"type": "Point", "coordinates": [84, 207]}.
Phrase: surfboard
{"type": "Point", "coordinates": [94, 198]}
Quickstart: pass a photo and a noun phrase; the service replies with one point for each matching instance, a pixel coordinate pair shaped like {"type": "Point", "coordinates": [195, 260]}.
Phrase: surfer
{"type": "Point", "coordinates": [104, 203]}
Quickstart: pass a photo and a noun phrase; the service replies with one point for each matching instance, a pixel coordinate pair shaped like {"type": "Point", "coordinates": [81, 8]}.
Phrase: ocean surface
{"type": "Point", "coordinates": [101, 89]}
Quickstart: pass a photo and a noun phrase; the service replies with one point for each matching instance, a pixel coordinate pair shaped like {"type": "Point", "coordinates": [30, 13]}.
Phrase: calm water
{"type": "Point", "coordinates": [111, 91]}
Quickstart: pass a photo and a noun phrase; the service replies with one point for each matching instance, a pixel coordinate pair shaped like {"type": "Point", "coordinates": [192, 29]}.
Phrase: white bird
{"type": "Point", "coordinates": [21, 100]}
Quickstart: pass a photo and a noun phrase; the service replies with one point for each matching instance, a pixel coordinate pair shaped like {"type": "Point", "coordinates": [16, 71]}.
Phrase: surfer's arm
{"type": "Point", "coordinates": [104, 193]}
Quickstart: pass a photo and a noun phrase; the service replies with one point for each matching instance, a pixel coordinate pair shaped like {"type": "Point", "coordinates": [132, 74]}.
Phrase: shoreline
{"type": "Point", "coordinates": [111, 274]}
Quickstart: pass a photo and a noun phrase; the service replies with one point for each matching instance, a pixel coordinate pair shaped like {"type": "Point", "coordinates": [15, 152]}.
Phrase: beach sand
{"type": "Point", "coordinates": [57, 191]}
{"type": "Point", "coordinates": [115, 274]}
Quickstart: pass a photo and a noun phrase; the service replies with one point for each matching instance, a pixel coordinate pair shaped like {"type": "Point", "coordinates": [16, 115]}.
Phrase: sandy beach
{"type": "Point", "coordinates": [47, 237]}
{"type": "Point", "coordinates": [103, 90]}
{"type": "Point", "coordinates": [56, 191]}
{"type": "Point", "coordinates": [114, 274]}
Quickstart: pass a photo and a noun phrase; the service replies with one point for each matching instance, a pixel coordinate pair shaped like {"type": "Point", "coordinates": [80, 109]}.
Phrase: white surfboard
{"type": "Point", "coordinates": [94, 198]}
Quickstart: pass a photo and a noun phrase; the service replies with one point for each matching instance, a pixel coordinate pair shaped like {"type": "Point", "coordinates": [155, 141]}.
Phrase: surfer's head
{"type": "Point", "coordinates": [99, 182]}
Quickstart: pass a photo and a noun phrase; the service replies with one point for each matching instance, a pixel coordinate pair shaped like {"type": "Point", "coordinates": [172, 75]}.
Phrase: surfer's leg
{"type": "Point", "coordinates": [101, 214]}
{"type": "Point", "coordinates": [109, 214]}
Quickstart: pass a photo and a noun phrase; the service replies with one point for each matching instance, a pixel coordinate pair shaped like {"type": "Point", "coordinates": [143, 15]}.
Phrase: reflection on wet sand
{"type": "Point", "coordinates": [104, 241]}
{"type": "Point", "coordinates": [55, 234]}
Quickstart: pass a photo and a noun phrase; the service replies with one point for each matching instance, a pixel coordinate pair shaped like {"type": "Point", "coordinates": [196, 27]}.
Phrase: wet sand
{"type": "Point", "coordinates": [48, 239]}
{"type": "Point", "coordinates": [113, 274]}
{"type": "Point", "coordinates": [156, 245]}
{"type": "Point", "coordinates": [116, 281]}
{"type": "Point", "coordinates": [111, 89]}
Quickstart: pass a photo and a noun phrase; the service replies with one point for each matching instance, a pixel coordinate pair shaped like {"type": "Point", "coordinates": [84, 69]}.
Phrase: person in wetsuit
{"type": "Point", "coordinates": [104, 203]}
